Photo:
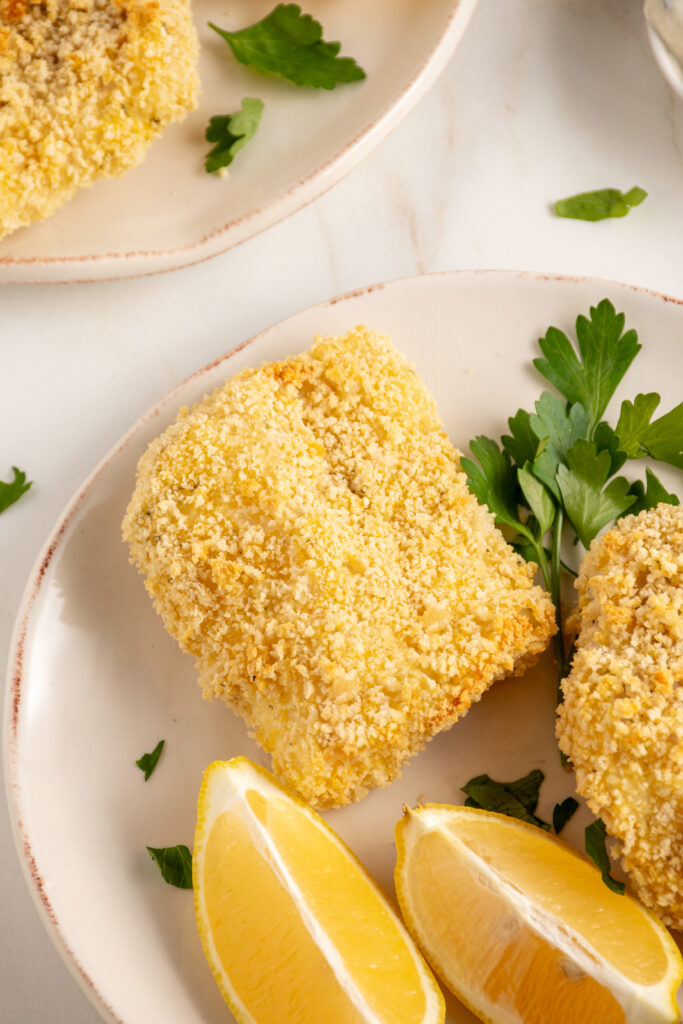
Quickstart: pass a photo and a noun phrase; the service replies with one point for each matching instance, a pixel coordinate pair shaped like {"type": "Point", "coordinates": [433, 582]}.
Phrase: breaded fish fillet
{"type": "Point", "coordinates": [621, 723]}
{"type": "Point", "coordinates": [85, 85]}
{"type": "Point", "coordinates": [307, 534]}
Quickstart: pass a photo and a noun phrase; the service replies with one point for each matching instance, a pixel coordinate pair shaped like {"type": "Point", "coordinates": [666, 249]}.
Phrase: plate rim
{"type": "Point", "coordinates": [55, 538]}
{"type": "Point", "coordinates": [84, 268]}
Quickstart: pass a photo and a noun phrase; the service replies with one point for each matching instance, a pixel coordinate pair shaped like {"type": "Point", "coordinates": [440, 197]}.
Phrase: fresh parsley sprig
{"type": "Point", "coordinates": [557, 467]}
{"type": "Point", "coordinates": [174, 863]}
{"type": "Point", "coordinates": [600, 204]}
{"type": "Point", "coordinates": [596, 848]}
{"type": "Point", "coordinates": [148, 762]}
{"type": "Point", "coordinates": [517, 799]}
{"type": "Point", "coordinates": [562, 813]}
{"type": "Point", "coordinates": [12, 491]}
{"type": "Point", "coordinates": [289, 44]}
{"type": "Point", "coordinates": [231, 132]}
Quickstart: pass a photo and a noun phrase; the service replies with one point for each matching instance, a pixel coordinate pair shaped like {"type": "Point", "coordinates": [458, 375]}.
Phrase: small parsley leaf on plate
{"type": "Point", "coordinates": [639, 435]}
{"type": "Point", "coordinates": [517, 799]}
{"type": "Point", "coordinates": [649, 495]}
{"type": "Point", "coordinates": [596, 848]}
{"type": "Point", "coordinates": [174, 863]}
{"type": "Point", "coordinates": [563, 812]}
{"type": "Point", "coordinates": [290, 45]}
{"type": "Point", "coordinates": [606, 354]}
{"type": "Point", "coordinates": [581, 481]}
{"type": "Point", "coordinates": [231, 132]}
{"type": "Point", "coordinates": [11, 492]}
{"type": "Point", "coordinates": [600, 204]}
{"type": "Point", "coordinates": [148, 762]}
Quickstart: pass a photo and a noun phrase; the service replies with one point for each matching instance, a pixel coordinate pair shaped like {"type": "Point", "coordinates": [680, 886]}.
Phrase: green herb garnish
{"type": "Point", "coordinates": [11, 492]}
{"type": "Point", "coordinates": [557, 468]}
{"type": "Point", "coordinates": [639, 435]}
{"type": "Point", "coordinates": [563, 812]}
{"type": "Point", "coordinates": [231, 132]}
{"type": "Point", "coordinates": [148, 762]}
{"type": "Point", "coordinates": [596, 848]}
{"type": "Point", "coordinates": [174, 863]}
{"type": "Point", "coordinates": [598, 205]}
{"type": "Point", "coordinates": [650, 494]}
{"type": "Point", "coordinates": [289, 44]}
{"type": "Point", "coordinates": [517, 799]}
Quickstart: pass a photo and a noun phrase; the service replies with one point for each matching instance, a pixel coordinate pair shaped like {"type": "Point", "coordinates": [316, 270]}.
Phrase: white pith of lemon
{"type": "Point", "coordinates": [293, 928]}
{"type": "Point", "coordinates": [522, 928]}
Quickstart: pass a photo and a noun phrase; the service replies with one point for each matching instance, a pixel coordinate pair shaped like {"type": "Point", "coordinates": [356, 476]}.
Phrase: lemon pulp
{"type": "Point", "coordinates": [478, 936]}
{"type": "Point", "coordinates": [290, 979]}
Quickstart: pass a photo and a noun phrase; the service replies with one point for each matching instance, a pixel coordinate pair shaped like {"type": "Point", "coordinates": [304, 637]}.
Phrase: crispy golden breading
{"type": "Point", "coordinates": [85, 85]}
{"type": "Point", "coordinates": [621, 722]}
{"type": "Point", "coordinates": [307, 535]}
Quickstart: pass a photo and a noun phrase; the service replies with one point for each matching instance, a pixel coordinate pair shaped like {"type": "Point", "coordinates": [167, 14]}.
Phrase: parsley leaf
{"type": "Point", "coordinates": [606, 354]}
{"type": "Point", "coordinates": [606, 440]}
{"type": "Point", "coordinates": [174, 863]}
{"type": "Point", "coordinates": [231, 132]}
{"type": "Point", "coordinates": [522, 445]}
{"type": "Point", "coordinates": [639, 435]}
{"type": "Point", "coordinates": [494, 481]}
{"type": "Point", "coordinates": [11, 492]}
{"type": "Point", "coordinates": [563, 812]}
{"type": "Point", "coordinates": [537, 498]}
{"type": "Point", "coordinates": [649, 496]}
{"type": "Point", "coordinates": [517, 799]}
{"type": "Point", "coordinates": [588, 506]}
{"type": "Point", "coordinates": [289, 44]}
{"type": "Point", "coordinates": [557, 427]}
{"type": "Point", "coordinates": [148, 762]}
{"type": "Point", "coordinates": [596, 848]}
{"type": "Point", "coordinates": [600, 204]}
{"type": "Point", "coordinates": [634, 419]}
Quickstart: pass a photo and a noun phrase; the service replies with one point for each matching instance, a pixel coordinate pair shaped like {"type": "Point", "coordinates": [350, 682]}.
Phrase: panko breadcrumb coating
{"type": "Point", "coordinates": [621, 723]}
{"type": "Point", "coordinates": [85, 85]}
{"type": "Point", "coordinates": [307, 534]}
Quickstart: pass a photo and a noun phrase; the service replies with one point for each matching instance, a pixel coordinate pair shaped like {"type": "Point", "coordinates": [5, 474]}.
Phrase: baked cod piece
{"type": "Point", "coordinates": [306, 533]}
{"type": "Point", "coordinates": [621, 723]}
{"type": "Point", "coordinates": [85, 85]}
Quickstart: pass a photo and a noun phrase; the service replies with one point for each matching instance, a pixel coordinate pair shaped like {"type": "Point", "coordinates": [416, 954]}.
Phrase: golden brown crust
{"type": "Point", "coordinates": [307, 534]}
{"type": "Point", "coordinates": [85, 85]}
{"type": "Point", "coordinates": [621, 723]}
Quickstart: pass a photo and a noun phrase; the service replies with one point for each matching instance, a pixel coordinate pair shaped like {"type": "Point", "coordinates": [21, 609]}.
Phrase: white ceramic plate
{"type": "Point", "coordinates": [168, 212]}
{"type": "Point", "coordinates": [95, 681]}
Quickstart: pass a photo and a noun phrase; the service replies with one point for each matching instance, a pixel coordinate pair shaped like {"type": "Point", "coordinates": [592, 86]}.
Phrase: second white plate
{"type": "Point", "coordinates": [169, 212]}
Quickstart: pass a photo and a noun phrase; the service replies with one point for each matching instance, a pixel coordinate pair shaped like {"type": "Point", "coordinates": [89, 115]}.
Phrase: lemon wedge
{"type": "Point", "coordinates": [294, 929]}
{"type": "Point", "coordinates": [522, 928]}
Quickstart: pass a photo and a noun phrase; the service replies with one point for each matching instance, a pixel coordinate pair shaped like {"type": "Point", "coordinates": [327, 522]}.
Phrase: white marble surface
{"type": "Point", "coordinates": [544, 98]}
